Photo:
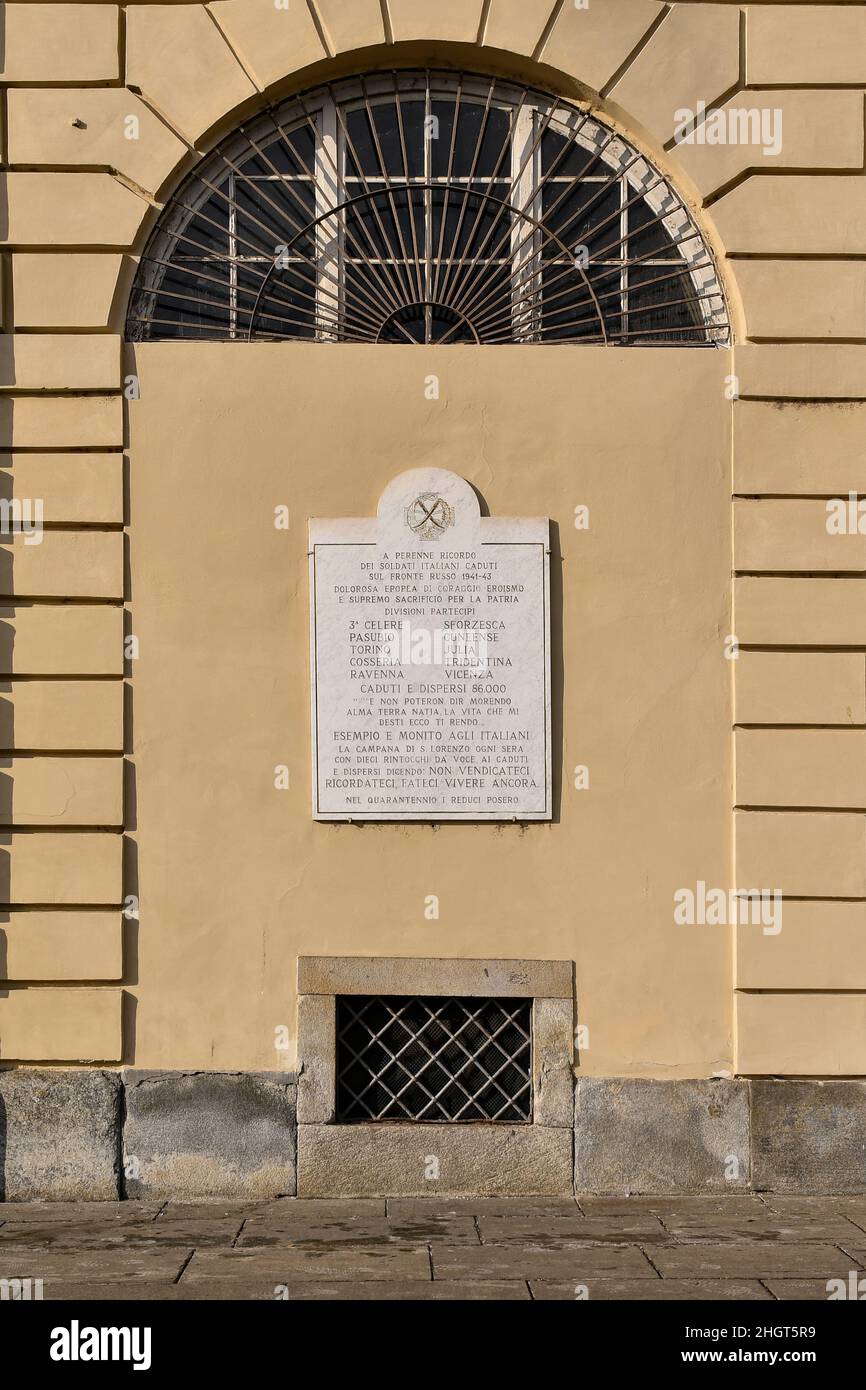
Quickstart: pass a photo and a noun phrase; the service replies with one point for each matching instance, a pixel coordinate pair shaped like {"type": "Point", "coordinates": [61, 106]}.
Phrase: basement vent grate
{"type": "Point", "coordinates": [434, 1060]}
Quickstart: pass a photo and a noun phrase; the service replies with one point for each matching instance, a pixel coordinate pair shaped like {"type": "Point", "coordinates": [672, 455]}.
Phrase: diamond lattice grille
{"type": "Point", "coordinates": [434, 1059]}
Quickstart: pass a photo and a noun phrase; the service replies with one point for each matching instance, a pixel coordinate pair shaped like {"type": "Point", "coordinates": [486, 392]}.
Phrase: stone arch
{"type": "Point", "coordinates": [198, 70]}
{"type": "Point", "coordinates": [212, 267]}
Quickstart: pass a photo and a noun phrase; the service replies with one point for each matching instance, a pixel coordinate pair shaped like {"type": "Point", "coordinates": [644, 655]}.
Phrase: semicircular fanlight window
{"type": "Point", "coordinates": [423, 207]}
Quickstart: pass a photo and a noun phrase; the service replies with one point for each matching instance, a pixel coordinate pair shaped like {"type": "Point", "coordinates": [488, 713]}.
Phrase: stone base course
{"type": "Point", "coordinates": [101, 1136]}
{"type": "Point", "coordinates": [209, 1134]}
{"type": "Point", "coordinates": [60, 1135]}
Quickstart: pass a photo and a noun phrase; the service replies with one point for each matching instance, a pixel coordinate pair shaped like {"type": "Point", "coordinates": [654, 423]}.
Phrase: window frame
{"type": "Point", "coordinates": [532, 114]}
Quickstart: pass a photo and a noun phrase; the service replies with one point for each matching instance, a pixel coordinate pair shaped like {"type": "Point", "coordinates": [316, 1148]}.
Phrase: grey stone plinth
{"type": "Point", "coordinates": [59, 1135]}
{"type": "Point", "coordinates": [317, 1049]}
{"type": "Point", "coordinates": [552, 1076]}
{"type": "Point", "coordinates": [512, 979]}
{"type": "Point", "coordinates": [809, 1136]}
{"type": "Point", "coordinates": [209, 1134]}
{"type": "Point", "coordinates": [412, 1160]}
{"type": "Point", "coordinates": [634, 1135]}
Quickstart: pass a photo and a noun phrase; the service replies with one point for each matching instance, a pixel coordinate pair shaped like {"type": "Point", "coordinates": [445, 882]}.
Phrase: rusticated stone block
{"type": "Point", "coordinates": [636, 1135]}
{"type": "Point", "coordinates": [209, 1134]}
{"type": "Point", "coordinates": [59, 1136]}
{"type": "Point", "coordinates": [412, 1160]}
{"type": "Point", "coordinates": [809, 1136]}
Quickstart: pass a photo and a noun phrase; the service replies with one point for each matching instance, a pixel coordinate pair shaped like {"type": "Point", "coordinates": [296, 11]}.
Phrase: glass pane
{"type": "Point", "coordinates": [381, 224]}
{"type": "Point", "coordinates": [563, 157]}
{"type": "Point", "coordinates": [286, 302]}
{"type": "Point", "coordinates": [193, 301]}
{"type": "Point", "coordinates": [206, 232]}
{"type": "Point", "coordinates": [574, 306]}
{"type": "Point", "coordinates": [291, 152]}
{"type": "Point", "coordinates": [658, 300]}
{"type": "Point", "coordinates": [480, 145]}
{"type": "Point", "coordinates": [647, 235]}
{"type": "Point", "coordinates": [469, 221]}
{"type": "Point", "coordinates": [583, 215]}
{"type": "Point", "coordinates": [361, 154]}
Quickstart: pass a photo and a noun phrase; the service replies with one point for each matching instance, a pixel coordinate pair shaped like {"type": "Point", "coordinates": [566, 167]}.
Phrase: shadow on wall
{"type": "Point", "coordinates": [4, 193]}
{"type": "Point", "coordinates": [557, 670]}
{"type": "Point", "coordinates": [130, 872]}
{"type": "Point", "coordinates": [7, 743]}
{"type": "Point", "coordinates": [7, 638]}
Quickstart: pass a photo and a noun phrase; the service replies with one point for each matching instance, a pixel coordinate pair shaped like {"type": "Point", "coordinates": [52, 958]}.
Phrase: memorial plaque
{"type": "Point", "coordinates": [430, 659]}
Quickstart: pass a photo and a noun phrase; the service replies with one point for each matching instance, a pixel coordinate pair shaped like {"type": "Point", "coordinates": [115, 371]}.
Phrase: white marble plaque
{"type": "Point", "coordinates": [430, 659]}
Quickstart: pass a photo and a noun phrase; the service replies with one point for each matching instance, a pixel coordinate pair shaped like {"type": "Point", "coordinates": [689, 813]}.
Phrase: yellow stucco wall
{"type": "Point", "coordinates": [207, 975]}
{"type": "Point", "coordinates": [236, 880]}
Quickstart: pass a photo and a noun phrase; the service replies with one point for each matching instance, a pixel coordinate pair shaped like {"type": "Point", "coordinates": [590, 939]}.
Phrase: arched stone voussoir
{"type": "Point", "coordinates": [517, 26]}
{"type": "Point", "coordinates": [456, 21]}
{"type": "Point", "coordinates": [271, 43]}
{"type": "Point", "coordinates": [592, 44]}
{"type": "Point", "coordinates": [693, 56]}
{"type": "Point", "coordinates": [79, 126]}
{"type": "Point", "coordinates": [184, 66]}
{"type": "Point", "coordinates": [356, 24]}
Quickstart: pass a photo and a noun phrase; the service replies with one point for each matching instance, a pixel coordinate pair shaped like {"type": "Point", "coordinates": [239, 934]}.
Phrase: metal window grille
{"type": "Point", "coordinates": [425, 207]}
{"type": "Point", "coordinates": [434, 1060]}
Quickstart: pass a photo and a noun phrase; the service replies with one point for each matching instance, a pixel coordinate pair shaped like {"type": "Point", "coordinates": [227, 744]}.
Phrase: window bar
{"type": "Point", "coordinates": [496, 286]}
{"type": "Point", "coordinates": [328, 230]}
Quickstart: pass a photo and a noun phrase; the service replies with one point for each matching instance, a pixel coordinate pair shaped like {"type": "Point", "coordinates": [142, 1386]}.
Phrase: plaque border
{"type": "Point", "coordinates": [362, 532]}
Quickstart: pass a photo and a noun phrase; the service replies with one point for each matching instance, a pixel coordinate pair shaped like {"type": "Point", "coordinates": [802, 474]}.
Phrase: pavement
{"type": "Point", "coordinates": [738, 1247]}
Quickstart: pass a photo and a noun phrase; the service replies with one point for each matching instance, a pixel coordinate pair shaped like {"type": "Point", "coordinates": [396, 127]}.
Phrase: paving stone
{"type": "Point", "coordinates": [124, 1213]}
{"type": "Point", "coordinates": [233, 1290]}
{"type": "Point", "coordinates": [655, 1290]}
{"type": "Point", "coordinates": [756, 1261]}
{"type": "Point", "coordinates": [93, 1266]}
{"type": "Point", "coordinates": [358, 1263]}
{"type": "Point", "coordinates": [853, 1208]}
{"type": "Point", "coordinates": [804, 1290]}
{"type": "Point", "coordinates": [762, 1227]}
{"type": "Point", "coordinates": [437, 1207]}
{"type": "Point", "coordinates": [637, 1135]}
{"type": "Point", "coordinates": [515, 1261]}
{"type": "Point", "coordinates": [705, 1247]}
{"type": "Point", "coordinates": [277, 1209]}
{"type": "Point", "coordinates": [440, 1291]}
{"type": "Point", "coordinates": [148, 1291]}
{"type": "Point", "coordinates": [458, 1230]}
{"type": "Point", "coordinates": [182, 1212]}
{"type": "Point", "coordinates": [662, 1206]}
{"type": "Point", "coordinates": [310, 1208]}
{"type": "Point", "coordinates": [117, 1235]}
{"type": "Point", "coordinates": [563, 1234]}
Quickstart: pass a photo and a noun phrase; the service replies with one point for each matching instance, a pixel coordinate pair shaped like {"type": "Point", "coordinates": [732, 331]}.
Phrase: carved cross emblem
{"type": "Point", "coordinates": [429, 516]}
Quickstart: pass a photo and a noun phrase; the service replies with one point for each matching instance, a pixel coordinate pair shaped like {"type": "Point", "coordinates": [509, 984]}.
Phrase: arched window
{"type": "Point", "coordinates": [427, 207]}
